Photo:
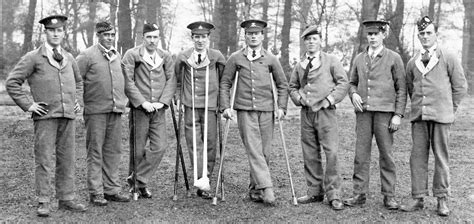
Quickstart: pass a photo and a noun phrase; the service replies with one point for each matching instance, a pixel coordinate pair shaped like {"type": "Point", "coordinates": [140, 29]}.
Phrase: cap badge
{"type": "Point", "coordinates": [155, 26]}
{"type": "Point", "coordinates": [427, 19]}
{"type": "Point", "coordinates": [54, 21]}
{"type": "Point", "coordinates": [200, 27]}
{"type": "Point", "coordinates": [253, 25]}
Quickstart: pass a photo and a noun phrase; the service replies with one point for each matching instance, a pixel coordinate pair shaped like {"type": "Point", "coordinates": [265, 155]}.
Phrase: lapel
{"type": "Point", "coordinates": [431, 64]}
{"type": "Point", "coordinates": [105, 54]}
{"type": "Point", "coordinates": [150, 65]}
{"type": "Point", "coordinates": [50, 58]}
{"type": "Point", "coordinates": [377, 58]}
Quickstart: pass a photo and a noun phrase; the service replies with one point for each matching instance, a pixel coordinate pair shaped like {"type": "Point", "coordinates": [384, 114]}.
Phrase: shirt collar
{"type": "Point", "coordinates": [203, 54]}
{"type": "Point", "coordinates": [316, 55]}
{"type": "Point", "coordinates": [112, 48]}
{"type": "Point", "coordinates": [376, 52]}
{"type": "Point", "coordinates": [431, 49]}
{"type": "Point", "coordinates": [50, 48]}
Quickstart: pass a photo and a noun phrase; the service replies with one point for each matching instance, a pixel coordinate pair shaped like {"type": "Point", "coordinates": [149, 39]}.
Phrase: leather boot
{"type": "Point", "coordinates": [357, 199]}
{"type": "Point", "coordinates": [412, 205]}
{"type": "Point", "coordinates": [443, 209]}
{"type": "Point", "coordinates": [43, 209]}
{"type": "Point", "coordinates": [390, 203]}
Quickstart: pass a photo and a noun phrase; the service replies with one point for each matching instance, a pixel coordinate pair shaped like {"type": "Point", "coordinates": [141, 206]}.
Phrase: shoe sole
{"type": "Point", "coordinates": [42, 215]}
{"type": "Point", "coordinates": [99, 204]}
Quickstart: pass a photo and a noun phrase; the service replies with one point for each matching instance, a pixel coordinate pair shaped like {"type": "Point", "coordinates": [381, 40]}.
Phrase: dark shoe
{"type": "Point", "coordinates": [43, 209]}
{"type": "Point", "coordinates": [256, 195]}
{"type": "Point", "coordinates": [119, 197]}
{"type": "Point", "coordinates": [358, 199]}
{"type": "Point", "coordinates": [98, 200]}
{"type": "Point", "coordinates": [390, 203]}
{"type": "Point", "coordinates": [310, 199]}
{"type": "Point", "coordinates": [336, 204]}
{"type": "Point", "coordinates": [71, 206]}
{"type": "Point", "coordinates": [144, 192]}
{"type": "Point", "coordinates": [268, 196]}
{"type": "Point", "coordinates": [203, 194]}
{"type": "Point", "coordinates": [443, 209]}
{"type": "Point", "coordinates": [412, 205]}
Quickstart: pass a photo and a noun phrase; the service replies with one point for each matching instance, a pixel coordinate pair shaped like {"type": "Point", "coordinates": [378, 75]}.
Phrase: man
{"type": "Point", "coordinates": [200, 60]}
{"type": "Point", "coordinates": [56, 87]}
{"type": "Point", "coordinates": [254, 103]}
{"type": "Point", "coordinates": [378, 93]}
{"type": "Point", "coordinates": [104, 103]}
{"type": "Point", "coordinates": [436, 85]}
{"type": "Point", "coordinates": [317, 84]}
{"type": "Point", "coordinates": [150, 85]}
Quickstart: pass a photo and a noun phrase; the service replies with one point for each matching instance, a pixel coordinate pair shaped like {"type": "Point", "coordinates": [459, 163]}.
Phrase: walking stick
{"type": "Point", "coordinates": [224, 140]}
{"type": "Point", "coordinates": [295, 202]}
{"type": "Point", "coordinates": [179, 151]}
{"type": "Point", "coordinates": [134, 152]}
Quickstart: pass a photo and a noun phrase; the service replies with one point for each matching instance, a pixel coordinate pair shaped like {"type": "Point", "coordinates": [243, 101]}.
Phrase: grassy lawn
{"type": "Point", "coordinates": [17, 203]}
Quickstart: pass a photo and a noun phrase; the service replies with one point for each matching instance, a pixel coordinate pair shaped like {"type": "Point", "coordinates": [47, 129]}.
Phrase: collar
{"type": "Point", "coordinates": [377, 51]}
{"type": "Point", "coordinates": [430, 50]}
{"type": "Point", "coordinates": [258, 53]}
{"type": "Point", "coordinates": [315, 55]}
{"type": "Point", "coordinates": [203, 55]}
{"type": "Point", "coordinates": [105, 49]}
{"type": "Point", "coordinates": [49, 48]}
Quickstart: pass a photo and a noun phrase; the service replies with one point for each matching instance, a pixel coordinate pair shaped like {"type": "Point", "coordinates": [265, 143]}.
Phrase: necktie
{"type": "Point", "coordinates": [254, 54]}
{"type": "Point", "coordinates": [304, 81]}
{"type": "Point", "coordinates": [199, 59]}
{"type": "Point", "coordinates": [111, 53]}
{"type": "Point", "coordinates": [57, 56]}
{"type": "Point", "coordinates": [425, 58]}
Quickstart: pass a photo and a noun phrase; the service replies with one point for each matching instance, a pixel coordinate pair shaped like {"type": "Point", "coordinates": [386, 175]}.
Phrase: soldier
{"type": "Point", "coordinates": [56, 88]}
{"type": "Point", "coordinates": [436, 85]}
{"type": "Point", "coordinates": [378, 93]}
{"type": "Point", "coordinates": [255, 105]}
{"type": "Point", "coordinates": [104, 103]}
{"type": "Point", "coordinates": [317, 84]}
{"type": "Point", "coordinates": [201, 60]}
{"type": "Point", "coordinates": [150, 86]}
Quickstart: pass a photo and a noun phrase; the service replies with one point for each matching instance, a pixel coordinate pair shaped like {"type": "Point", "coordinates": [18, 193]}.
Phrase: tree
{"type": "Point", "coordinates": [113, 11]}
{"type": "Point", "coordinates": [91, 22]}
{"type": "Point", "coordinates": [370, 9]}
{"type": "Point", "coordinates": [285, 37]}
{"type": "Point", "coordinates": [125, 40]}
{"type": "Point", "coordinates": [28, 29]}
{"type": "Point", "coordinates": [151, 10]}
{"type": "Point", "coordinates": [139, 21]}
{"type": "Point", "coordinates": [226, 10]}
{"type": "Point", "coordinates": [265, 5]}
{"type": "Point", "coordinates": [468, 43]}
{"type": "Point", "coordinates": [160, 24]}
{"type": "Point", "coordinates": [305, 6]}
{"type": "Point", "coordinates": [393, 41]}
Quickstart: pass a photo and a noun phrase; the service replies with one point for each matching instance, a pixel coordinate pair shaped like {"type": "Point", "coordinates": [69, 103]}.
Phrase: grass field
{"type": "Point", "coordinates": [18, 202]}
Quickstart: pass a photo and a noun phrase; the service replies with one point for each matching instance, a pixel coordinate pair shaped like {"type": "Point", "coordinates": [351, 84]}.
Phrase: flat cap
{"type": "Point", "coordinates": [200, 27]}
{"type": "Point", "coordinates": [253, 25]}
{"type": "Point", "coordinates": [311, 29]}
{"type": "Point", "coordinates": [103, 26]}
{"type": "Point", "coordinates": [424, 22]}
{"type": "Point", "coordinates": [53, 21]}
{"type": "Point", "coordinates": [149, 27]}
{"type": "Point", "coordinates": [375, 25]}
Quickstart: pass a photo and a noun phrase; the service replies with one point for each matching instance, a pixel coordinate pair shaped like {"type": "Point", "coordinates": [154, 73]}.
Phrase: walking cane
{"type": "Point", "coordinates": [295, 202]}
{"type": "Point", "coordinates": [224, 140]}
{"type": "Point", "coordinates": [134, 152]}
{"type": "Point", "coordinates": [203, 182]}
{"type": "Point", "coordinates": [179, 151]}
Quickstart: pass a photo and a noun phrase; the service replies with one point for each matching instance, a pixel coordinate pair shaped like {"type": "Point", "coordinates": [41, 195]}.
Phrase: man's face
{"type": "Point", "coordinates": [428, 36]}
{"type": "Point", "coordinates": [200, 41]}
{"type": "Point", "coordinates": [54, 36]}
{"type": "Point", "coordinates": [254, 39]}
{"type": "Point", "coordinates": [151, 40]}
{"type": "Point", "coordinates": [312, 43]}
{"type": "Point", "coordinates": [107, 38]}
{"type": "Point", "coordinates": [375, 39]}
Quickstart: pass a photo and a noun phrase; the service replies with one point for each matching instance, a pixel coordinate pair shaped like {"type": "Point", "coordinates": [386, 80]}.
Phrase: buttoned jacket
{"type": "Point", "coordinates": [381, 82]}
{"type": "Point", "coordinates": [144, 83]}
{"type": "Point", "coordinates": [104, 83]}
{"type": "Point", "coordinates": [57, 84]}
{"type": "Point", "coordinates": [437, 89]}
{"type": "Point", "coordinates": [215, 62]}
{"type": "Point", "coordinates": [254, 85]}
{"type": "Point", "coordinates": [326, 80]}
